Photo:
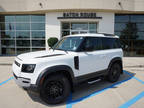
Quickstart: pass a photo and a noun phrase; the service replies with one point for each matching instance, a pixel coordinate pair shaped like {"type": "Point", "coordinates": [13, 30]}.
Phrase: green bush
{"type": "Point", "coordinates": [52, 41]}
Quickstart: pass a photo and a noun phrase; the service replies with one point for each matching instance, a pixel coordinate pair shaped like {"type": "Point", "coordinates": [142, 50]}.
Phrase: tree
{"type": "Point", "coordinates": [128, 35]}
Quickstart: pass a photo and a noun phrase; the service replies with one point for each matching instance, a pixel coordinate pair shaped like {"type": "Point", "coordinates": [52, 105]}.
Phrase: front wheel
{"type": "Point", "coordinates": [114, 72]}
{"type": "Point", "coordinates": [55, 89]}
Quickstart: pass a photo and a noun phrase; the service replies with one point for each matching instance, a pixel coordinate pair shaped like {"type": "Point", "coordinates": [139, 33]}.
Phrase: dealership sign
{"type": "Point", "coordinates": [79, 15]}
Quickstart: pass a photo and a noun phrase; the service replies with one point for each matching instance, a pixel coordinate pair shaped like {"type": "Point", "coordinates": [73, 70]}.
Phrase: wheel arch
{"type": "Point", "coordinates": [59, 69]}
{"type": "Point", "coordinates": [116, 60]}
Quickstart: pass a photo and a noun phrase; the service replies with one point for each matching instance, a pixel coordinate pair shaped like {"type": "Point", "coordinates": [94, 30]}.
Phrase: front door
{"type": "Point", "coordinates": [91, 59]}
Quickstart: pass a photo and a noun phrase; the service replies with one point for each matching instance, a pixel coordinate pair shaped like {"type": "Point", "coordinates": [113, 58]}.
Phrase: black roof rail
{"type": "Point", "coordinates": [106, 34]}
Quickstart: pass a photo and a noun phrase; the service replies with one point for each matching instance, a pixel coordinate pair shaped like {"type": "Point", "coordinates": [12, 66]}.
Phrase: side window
{"type": "Point", "coordinates": [110, 43]}
{"type": "Point", "coordinates": [118, 43]}
{"type": "Point", "coordinates": [107, 43]}
{"type": "Point", "coordinates": [92, 44]}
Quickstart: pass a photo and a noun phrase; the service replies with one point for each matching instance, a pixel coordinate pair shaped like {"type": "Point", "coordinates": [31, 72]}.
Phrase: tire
{"type": "Point", "coordinates": [114, 72]}
{"type": "Point", "coordinates": [55, 89]}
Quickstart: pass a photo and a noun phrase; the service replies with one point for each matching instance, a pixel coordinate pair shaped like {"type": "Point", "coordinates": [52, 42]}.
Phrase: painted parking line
{"type": "Point", "coordinates": [68, 105]}
{"type": "Point", "coordinates": [133, 100]}
{"type": "Point", "coordinates": [134, 77]}
{"type": "Point", "coordinates": [72, 102]}
{"type": "Point", "coordinates": [6, 81]}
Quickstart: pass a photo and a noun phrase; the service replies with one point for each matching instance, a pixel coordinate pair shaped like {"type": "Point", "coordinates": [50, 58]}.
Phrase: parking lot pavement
{"type": "Point", "coordinates": [128, 91]}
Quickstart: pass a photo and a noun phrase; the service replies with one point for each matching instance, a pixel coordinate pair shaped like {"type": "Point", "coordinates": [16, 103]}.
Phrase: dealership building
{"type": "Point", "coordinates": [25, 25]}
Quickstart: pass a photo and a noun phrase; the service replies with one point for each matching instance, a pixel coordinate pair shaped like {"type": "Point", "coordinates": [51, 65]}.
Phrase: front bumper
{"type": "Point", "coordinates": [25, 83]}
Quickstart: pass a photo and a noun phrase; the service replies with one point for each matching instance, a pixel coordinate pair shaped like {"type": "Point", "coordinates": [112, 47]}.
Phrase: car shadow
{"type": "Point", "coordinates": [86, 90]}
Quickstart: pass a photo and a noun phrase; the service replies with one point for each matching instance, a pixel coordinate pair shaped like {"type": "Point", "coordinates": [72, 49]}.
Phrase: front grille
{"type": "Point", "coordinates": [18, 64]}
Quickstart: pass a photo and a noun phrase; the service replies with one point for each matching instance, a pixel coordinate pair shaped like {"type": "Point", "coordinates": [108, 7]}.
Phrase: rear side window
{"type": "Point", "coordinates": [110, 43]}
{"type": "Point", "coordinates": [118, 43]}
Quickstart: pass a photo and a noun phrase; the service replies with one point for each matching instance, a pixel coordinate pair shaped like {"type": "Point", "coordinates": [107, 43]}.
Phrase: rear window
{"type": "Point", "coordinates": [110, 43]}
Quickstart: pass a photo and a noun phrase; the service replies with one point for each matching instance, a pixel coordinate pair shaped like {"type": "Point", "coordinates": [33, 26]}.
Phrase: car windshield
{"type": "Point", "coordinates": [69, 43]}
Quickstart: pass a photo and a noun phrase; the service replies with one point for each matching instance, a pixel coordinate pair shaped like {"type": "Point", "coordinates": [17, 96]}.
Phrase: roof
{"type": "Point", "coordinates": [95, 35]}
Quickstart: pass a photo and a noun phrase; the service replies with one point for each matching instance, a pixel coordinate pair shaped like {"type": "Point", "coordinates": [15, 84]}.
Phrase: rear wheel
{"type": "Point", "coordinates": [55, 89]}
{"type": "Point", "coordinates": [114, 72]}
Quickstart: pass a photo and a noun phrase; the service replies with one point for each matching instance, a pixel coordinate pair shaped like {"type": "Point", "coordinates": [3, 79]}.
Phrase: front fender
{"type": "Point", "coordinates": [53, 69]}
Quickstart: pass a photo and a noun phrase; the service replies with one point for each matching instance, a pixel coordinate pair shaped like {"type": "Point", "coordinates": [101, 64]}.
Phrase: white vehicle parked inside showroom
{"type": "Point", "coordinates": [74, 59]}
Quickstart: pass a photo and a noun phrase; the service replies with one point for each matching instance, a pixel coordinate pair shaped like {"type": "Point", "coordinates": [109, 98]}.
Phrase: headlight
{"type": "Point", "coordinates": [28, 68]}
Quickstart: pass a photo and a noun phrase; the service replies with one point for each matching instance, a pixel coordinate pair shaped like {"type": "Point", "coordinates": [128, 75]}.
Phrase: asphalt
{"type": "Point", "coordinates": [127, 92]}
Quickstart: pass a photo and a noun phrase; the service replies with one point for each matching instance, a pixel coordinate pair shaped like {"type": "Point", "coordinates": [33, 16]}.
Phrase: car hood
{"type": "Point", "coordinates": [41, 54]}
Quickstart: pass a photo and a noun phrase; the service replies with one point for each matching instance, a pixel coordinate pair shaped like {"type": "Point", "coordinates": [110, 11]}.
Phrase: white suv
{"type": "Point", "coordinates": [74, 59]}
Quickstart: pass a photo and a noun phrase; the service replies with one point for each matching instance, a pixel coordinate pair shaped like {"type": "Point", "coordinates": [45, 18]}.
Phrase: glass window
{"type": "Point", "coordinates": [140, 35]}
{"type": "Point", "coordinates": [132, 36]}
{"type": "Point", "coordinates": [66, 26]}
{"type": "Point", "coordinates": [37, 18]}
{"type": "Point", "coordinates": [22, 50]}
{"type": "Point", "coordinates": [92, 44]}
{"type": "Point", "coordinates": [38, 34]}
{"type": "Point", "coordinates": [65, 33]}
{"type": "Point", "coordinates": [79, 26]}
{"type": "Point", "coordinates": [118, 33]}
{"type": "Point", "coordinates": [92, 26]}
{"type": "Point", "coordinates": [8, 43]}
{"type": "Point", "coordinates": [23, 43]}
{"type": "Point", "coordinates": [22, 26]}
{"type": "Point", "coordinates": [22, 18]}
{"type": "Point", "coordinates": [137, 18]}
{"type": "Point", "coordinates": [140, 26]}
{"type": "Point", "coordinates": [7, 34]}
{"type": "Point", "coordinates": [38, 26]}
{"type": "Point", "coordinates": [37, 49]}
{"type": "Point", "coordinates": [7, 18]}
{"type": "Point", "coordinates": [8, 51]}
{"type": "Point", "coordinates": [23, 34]}
{"type": "Point", "coordinates": [120, 26]}
{"type": "Point", "coordinates": [38, 43]}
{"type": "Point", "coordinates": [121, 18]}
{"type": "Point", "coordinates": [108, 43]}
{"type": "Point", "coordinates": [74, 32]}
{"type": "Point", "coordinates": [69, 43]}
{"type": "Point", "coordinates": [91, 31]}
{"type": "Point", "coordinates": [7, 26]}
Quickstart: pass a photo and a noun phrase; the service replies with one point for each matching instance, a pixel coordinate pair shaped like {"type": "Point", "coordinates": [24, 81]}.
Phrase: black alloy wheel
{"type": "Point", "coordinates": [55, 89]}
{"type": "Point", "coordinates": [114, 72]}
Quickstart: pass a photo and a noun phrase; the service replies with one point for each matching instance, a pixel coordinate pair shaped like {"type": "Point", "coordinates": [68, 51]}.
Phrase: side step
{"type": "Point", "coordinates": [94, 81]}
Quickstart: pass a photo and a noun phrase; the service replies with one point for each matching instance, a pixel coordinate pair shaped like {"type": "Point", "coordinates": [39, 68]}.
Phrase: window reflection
{"type": "Point", "coordinates": [38, 26]}
{"type": "Point", "coordinates": [38, 43]}
{"type": "Point", "coordinates": [7, 34]}
{"type": "Point", "coordinates": [78, 28]}
{"type": "Point", "coordinates": [21, 33]}
{"type": "Point", "coordinates": [23, 43]}
{"type": "Point", "coordinates": [22, 18]}
{"type": "Point", "coordinates": [38, 34]}
{"type": "Point", "coordinates": [131, 32]}
{"type": "Point", "coordinates": [5, 18]}
{"type": "Point", "coordinates": [38, 18]}
{"type": "Point", "coordinates": [7, 26]}
{"type": "Point", "coordinates": [22, 26]}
